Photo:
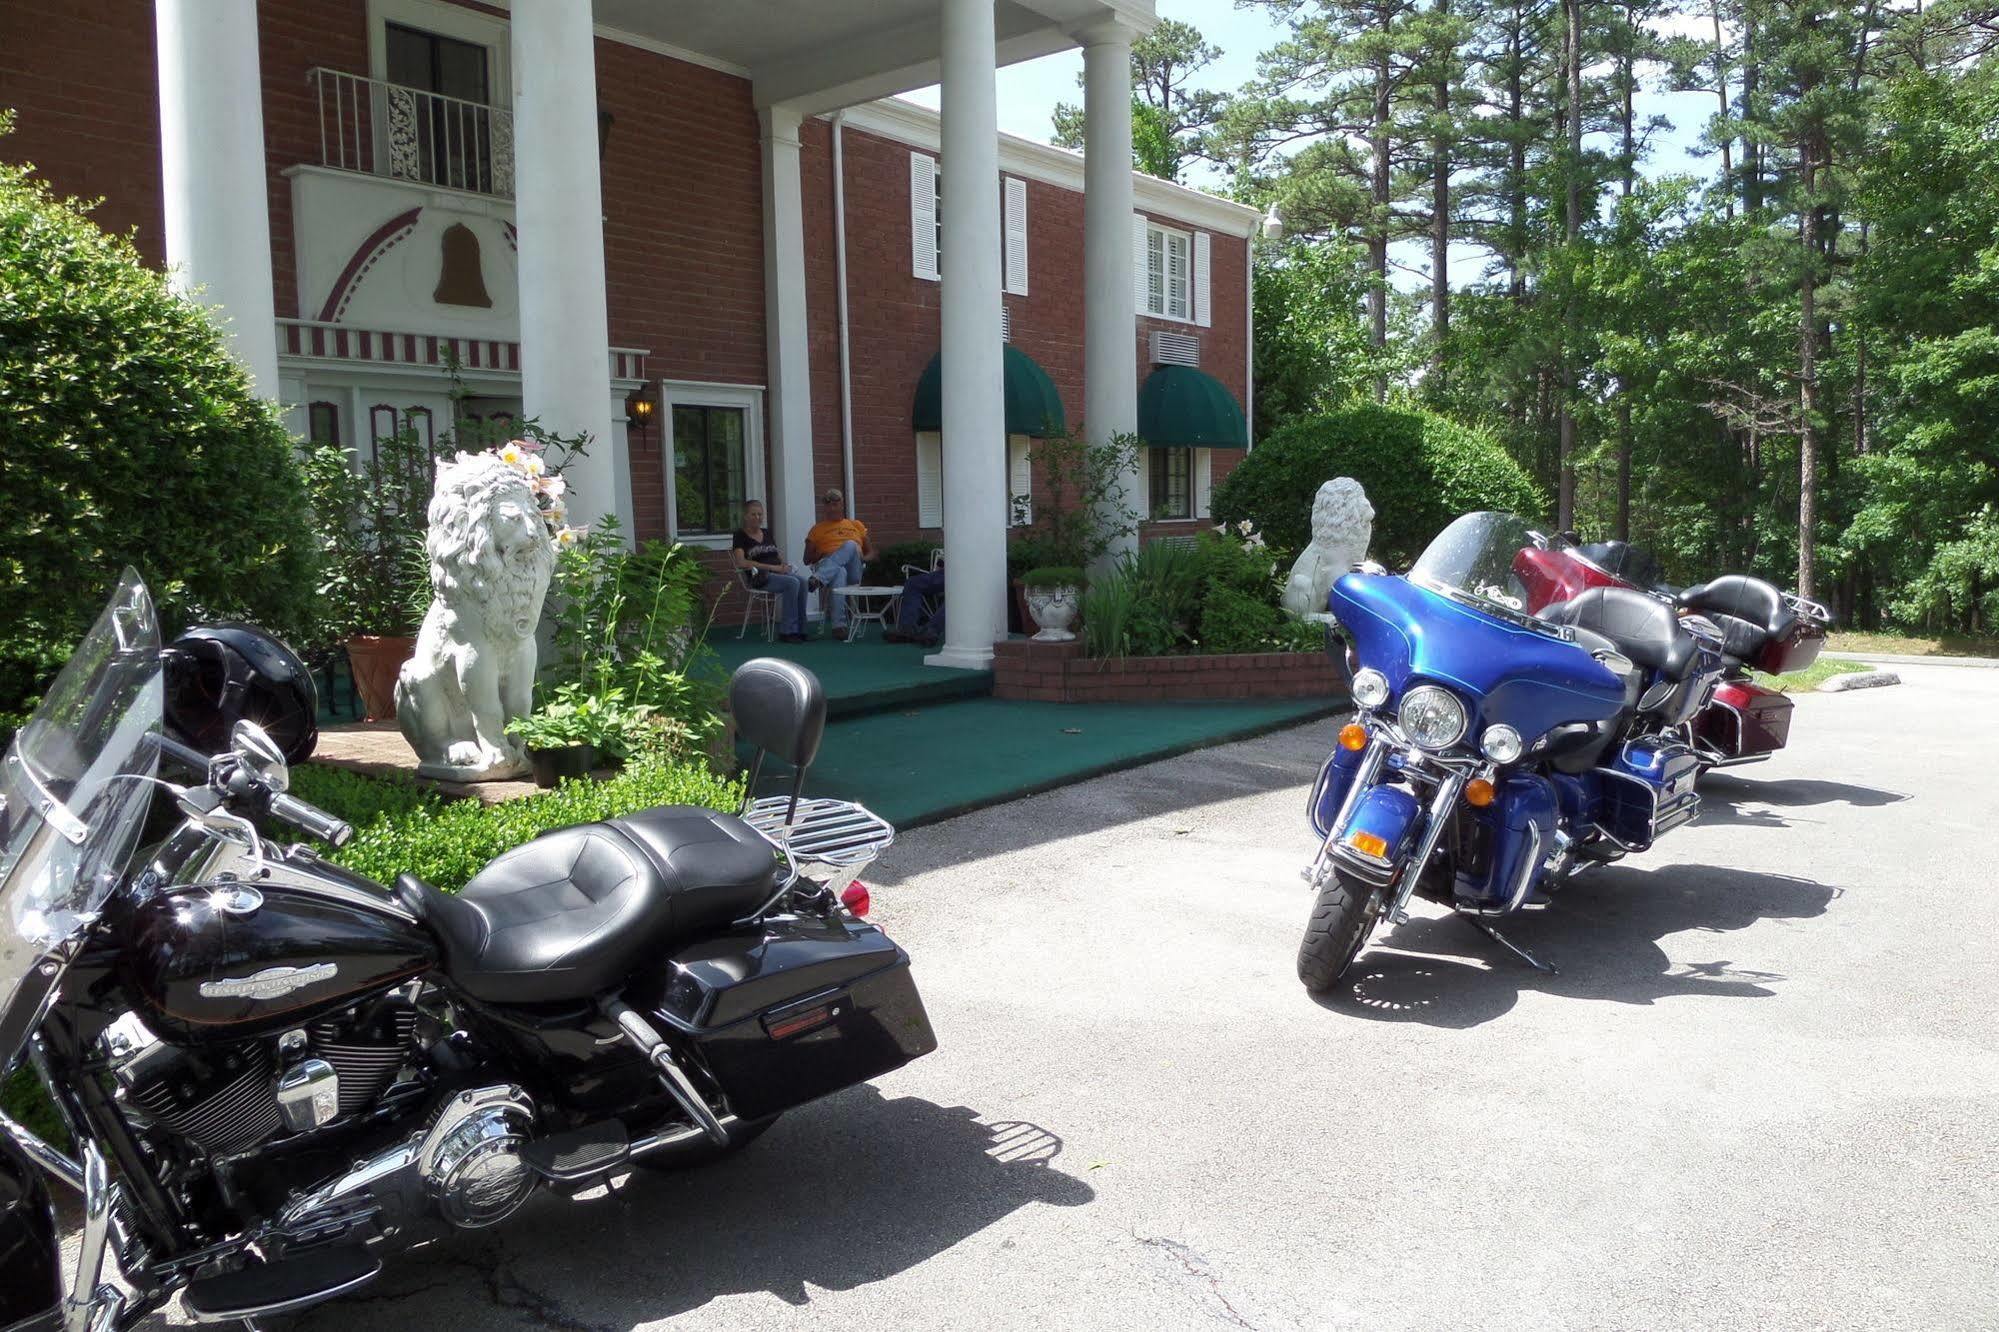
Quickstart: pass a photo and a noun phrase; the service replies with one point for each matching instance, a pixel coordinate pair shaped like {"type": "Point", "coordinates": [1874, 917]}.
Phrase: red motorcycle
{"type": "Point", "coordinates": [1750, 623]}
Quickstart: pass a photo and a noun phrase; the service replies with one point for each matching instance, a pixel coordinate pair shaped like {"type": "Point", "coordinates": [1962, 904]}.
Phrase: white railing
{"type": "Point", "coordinates": [385, 129]}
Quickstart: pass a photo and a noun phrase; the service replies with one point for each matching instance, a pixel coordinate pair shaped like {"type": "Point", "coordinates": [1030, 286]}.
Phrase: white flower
{"type": "Point", "coordinates": [512, 455]}
{"type": "Point", "coordinates": [568, 535]}
{"type": "Point", "coordinates": [532, 465]}
{"type": "Point", "coordinates": [547, 486]}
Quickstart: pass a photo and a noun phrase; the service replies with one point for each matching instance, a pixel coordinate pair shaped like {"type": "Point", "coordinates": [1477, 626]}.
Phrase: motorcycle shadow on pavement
{"type": "Point", "coordinates": [838, 1194]}
{"type": "Point", "coordinates": [1603, 933]}
{"type": "Point", "coordinates": [1724, 796]}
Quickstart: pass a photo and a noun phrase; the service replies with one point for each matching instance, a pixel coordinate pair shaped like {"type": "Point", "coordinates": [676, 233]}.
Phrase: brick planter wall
{"type": "Point", "coordinates": [1060, 673]}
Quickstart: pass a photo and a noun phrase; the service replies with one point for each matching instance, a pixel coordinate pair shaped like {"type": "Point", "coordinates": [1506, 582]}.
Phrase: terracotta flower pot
{"type": "Point", "coordinates": [376, 659]}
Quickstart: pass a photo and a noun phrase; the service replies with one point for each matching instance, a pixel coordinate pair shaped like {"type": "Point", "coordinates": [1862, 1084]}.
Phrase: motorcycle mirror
{"type": "Point", "coordinates": [255, 750]}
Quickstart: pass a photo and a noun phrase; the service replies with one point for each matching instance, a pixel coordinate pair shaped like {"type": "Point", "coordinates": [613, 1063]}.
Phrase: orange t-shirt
{"type": "Point", "coordinates": [825, 538]}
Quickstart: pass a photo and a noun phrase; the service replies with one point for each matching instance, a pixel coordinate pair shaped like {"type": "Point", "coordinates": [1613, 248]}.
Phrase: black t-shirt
{"type": "Point", "coordinates": [758, 551]}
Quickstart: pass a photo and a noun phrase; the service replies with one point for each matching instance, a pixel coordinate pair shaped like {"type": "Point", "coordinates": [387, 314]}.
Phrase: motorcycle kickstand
{"type": "Point", "coordinates": [1485, 928]}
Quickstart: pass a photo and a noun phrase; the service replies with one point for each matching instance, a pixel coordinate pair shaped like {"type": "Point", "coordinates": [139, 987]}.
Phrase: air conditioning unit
{"type": "Point", "coordinates": [1175, 349]}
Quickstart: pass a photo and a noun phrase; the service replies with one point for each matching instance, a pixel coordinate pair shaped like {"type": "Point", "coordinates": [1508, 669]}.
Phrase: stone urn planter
{"type": "Point", "coordinates": [376, 660]}
{"type": "Point", "coordinates": [1054, 597]}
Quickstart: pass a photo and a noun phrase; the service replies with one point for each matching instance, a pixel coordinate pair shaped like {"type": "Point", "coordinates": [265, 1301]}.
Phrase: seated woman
{"type": "Point", "coordinates": [754, 549]}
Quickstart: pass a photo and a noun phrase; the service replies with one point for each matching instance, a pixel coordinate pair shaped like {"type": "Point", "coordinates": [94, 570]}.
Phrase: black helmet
{"type": "Point", "coordinates": [219, 674]}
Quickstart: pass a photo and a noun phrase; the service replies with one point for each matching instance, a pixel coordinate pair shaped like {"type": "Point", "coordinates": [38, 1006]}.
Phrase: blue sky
{"type": "Point", "coordinates": [1029, 91]}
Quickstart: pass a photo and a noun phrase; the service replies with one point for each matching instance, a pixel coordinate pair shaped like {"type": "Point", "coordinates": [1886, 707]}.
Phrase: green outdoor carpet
{"type": "Point", "coordinates": [867, 676]}
{"type": "Point", "coordinates": [931, 763]}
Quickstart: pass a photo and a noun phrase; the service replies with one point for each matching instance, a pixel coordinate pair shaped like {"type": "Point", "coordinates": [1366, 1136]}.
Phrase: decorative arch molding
{"type": "Point", "coordinates": [384, 238]}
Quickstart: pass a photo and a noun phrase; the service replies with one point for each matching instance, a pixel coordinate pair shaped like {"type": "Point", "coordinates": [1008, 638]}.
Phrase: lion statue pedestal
{"type": "Point", "coordinates": [473, 672]}
{"type": "Point", "coordinates": [1342, 525]}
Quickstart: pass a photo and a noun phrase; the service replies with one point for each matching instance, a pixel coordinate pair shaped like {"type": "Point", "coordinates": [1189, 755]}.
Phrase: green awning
{"type": "Point", "coordinates": [1179, 407]}
{"type": "Point", "coordinates": [1033, 407]}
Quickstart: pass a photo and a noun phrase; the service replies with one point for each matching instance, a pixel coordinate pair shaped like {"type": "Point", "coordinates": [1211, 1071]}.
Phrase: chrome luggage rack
{"type": "Point", "coordinates": [839, 836]}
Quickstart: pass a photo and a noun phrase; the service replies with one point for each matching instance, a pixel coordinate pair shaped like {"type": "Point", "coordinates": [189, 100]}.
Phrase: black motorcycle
{"type": "Point", "coordinates": [274, 1071]}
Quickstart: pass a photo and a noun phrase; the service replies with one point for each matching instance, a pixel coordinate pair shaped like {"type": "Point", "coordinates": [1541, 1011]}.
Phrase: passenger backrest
{"type": "Point", "coordinates": [779, 708]}
{"type": "Point", "coordinates": [1749, 611]}
{"type": "Point", "coordinates": [1644, 628]}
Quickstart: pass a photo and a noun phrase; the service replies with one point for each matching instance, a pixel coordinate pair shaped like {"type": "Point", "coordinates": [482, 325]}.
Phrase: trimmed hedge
{"type": "Point", "coordinates": [401, 828]}
{"type": "Point", "coordinates": [131, 436]}
{"type": "Point", "coordinates": [1421, 470]}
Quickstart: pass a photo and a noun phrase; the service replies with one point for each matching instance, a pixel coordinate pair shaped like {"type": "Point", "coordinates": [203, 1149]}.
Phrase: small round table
{"type": "Point", "coordinates": [866, 605]}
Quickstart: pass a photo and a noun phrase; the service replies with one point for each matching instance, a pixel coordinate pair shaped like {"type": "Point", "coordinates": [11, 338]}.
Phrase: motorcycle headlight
{"type": "Point", "coordinates": [1432, 717]}
{"type": "Point", "coordinates": [1370, 688]}
{"type": "Point", "coordinates": [1501, 743]}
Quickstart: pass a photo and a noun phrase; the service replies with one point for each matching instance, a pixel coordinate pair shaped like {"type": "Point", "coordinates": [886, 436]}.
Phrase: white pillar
{"type": "Point", "coordinates": [787, 343]}
{"type": "Point", "coordinates": [559, 212]}
{"type": "Point", "coordinates": [218, 215]}
{"type": "Point", "coordinates": [1110, 316]}
{"type": "Point", "coordinates": [974, 393]}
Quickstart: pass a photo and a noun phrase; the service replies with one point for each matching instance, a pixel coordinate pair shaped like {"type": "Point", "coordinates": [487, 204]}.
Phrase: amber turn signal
{"type": "Point", "coordinates": [1478, 792]}
{"type": "Point", "coordinates": [1353, 736]}
{"type": "Point", "coordinates": [1369, 845]}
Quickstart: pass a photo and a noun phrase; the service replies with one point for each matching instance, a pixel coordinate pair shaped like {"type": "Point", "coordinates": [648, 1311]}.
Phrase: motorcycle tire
{"type": "Point", "coordinates": [693, 1155]}
{"type": "Point", "coordinates": [1342, 918]}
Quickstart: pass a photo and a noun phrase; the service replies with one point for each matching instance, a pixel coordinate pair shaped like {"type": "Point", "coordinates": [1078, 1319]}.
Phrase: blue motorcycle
{"type": "Point", "coordinates": [1494, 753]}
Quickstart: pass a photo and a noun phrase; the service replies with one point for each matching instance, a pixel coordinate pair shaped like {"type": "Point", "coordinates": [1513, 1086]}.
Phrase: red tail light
{"type": "Point", "coordinates": [855, 898]}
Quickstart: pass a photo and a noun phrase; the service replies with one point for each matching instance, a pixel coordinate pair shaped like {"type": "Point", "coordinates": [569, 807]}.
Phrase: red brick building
{"type": "Point", "coordinates": [371, 189]}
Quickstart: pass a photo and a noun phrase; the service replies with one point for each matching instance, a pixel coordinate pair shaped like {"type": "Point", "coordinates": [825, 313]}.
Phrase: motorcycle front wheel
{"type": "Point", "coordinates": [1342, 918]}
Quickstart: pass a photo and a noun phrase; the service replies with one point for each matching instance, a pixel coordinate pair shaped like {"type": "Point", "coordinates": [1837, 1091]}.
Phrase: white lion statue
{"type": "Point", "coordinates": [490, 562]}
{"type": "Point", "coordinates": [1342, 525]}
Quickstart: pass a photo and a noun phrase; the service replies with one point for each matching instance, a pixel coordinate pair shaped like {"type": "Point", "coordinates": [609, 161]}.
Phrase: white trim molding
{"type": "Point", "coordinates": [918, 127]}
{"type": "Point", "coordinates": [694, 393]}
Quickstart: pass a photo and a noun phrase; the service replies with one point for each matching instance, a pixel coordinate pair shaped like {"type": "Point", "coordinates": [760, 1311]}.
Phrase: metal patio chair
{"type": "Point", "coordinates": [763, 602]}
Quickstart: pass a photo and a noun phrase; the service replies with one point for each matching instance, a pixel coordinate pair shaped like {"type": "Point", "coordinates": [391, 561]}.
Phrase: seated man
{"type": "Point", "coordinates": [837, 547]}
{"type": "Point", "coordinates": [919, 617]}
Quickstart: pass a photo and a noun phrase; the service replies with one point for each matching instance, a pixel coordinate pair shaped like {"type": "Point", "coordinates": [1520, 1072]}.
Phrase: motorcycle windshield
{"type": "Point", "coordinates": [75, 786]}
{"type": "Point", "coordinates": [1475, 561]}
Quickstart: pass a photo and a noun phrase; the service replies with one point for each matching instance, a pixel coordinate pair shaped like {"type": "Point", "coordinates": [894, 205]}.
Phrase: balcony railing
{"type": "Point", "coordinates": [386, 129]}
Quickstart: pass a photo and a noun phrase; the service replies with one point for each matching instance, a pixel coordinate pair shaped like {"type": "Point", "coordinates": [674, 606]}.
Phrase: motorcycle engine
{"type": "Point", "coordinates": [228, 1098]}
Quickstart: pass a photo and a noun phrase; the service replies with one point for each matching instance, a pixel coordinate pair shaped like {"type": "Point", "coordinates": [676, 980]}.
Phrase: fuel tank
{"type": "Point", "coordinates": [225, 960]}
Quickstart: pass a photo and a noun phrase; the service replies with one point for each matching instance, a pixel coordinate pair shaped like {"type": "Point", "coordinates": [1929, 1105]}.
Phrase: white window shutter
{"type": "Point", "coordinates": [1204, 475]}
{"type": "Point", "coordinates": [1141, 264]}
{"type": "Point", "coordinates": [923, 215]}
{"type": "Point", "coordinates": [1201, 278]}
{"type": "Point", "coordinates": [930, 479]}
{"type": "Point", "coordinates": [1016, 236]}
{"type": "Point", "coordinates": [1019, 482]}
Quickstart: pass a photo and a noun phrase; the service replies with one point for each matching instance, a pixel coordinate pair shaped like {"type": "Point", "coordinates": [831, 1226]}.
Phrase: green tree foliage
{"type": "Point", "coordinates": [1169, 117]}
{"type": "Point", "coordinates": [130, 436]}
{"type": "Point", "coordinates": [1420, 470]}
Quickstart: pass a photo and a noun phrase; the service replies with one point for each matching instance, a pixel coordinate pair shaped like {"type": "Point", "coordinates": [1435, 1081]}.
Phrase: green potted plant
{"type": "Point", "coordinates": [1083, 513]}
{"type": "Point", "coordinates": [575, 731]}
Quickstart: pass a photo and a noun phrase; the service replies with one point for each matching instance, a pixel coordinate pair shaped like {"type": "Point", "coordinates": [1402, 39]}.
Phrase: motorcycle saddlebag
{"type": "Point", "coordinates": [794, 1009]}
{"type": "Point", "coordinates": [1794, 650]}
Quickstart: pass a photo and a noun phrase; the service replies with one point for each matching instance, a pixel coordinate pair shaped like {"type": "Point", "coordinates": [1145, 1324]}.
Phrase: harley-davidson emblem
{"type": "Point", "coordinates": [270, 983]}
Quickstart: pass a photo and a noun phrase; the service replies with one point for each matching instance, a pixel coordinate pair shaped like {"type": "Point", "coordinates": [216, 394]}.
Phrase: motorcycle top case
{"type": "Point", "coordinates": [793, 1009]}
{"type": "Point", "coordinates": [1795, 650]}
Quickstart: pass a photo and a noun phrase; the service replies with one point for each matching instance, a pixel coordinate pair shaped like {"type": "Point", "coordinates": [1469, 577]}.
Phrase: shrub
{"type": "Point", "coordinates": [885, 569]}
{"type": "Point", "coordinates": [445, 842]}
{"type": "Point", "coordinates": [132, 437]}
{"type": "Point", "coordinates": [1053, 575]}
{"type": "Point", "coordinates": [1420, 471]}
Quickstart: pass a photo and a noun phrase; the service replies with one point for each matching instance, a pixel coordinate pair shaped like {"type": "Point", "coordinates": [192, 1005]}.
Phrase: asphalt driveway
{"type": "Point", "coordinates": [1762, 1092]}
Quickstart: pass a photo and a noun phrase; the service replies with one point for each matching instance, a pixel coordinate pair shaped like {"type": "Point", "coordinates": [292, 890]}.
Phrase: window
{"type": "Point", "coordinates": [1172, 483]}
{"type": "Point", "coordinates": [930, 480]}
{"type": "Point", "coordinates": [710, 462]}
{"type": "Point", "coordinates": [322, 423]}
{"type": "Point", "coordinates": [1169, 264]}
{"type": "Point", "coordinates": [926, 224]}
{"type": "Point", "coordinates": [454, 127]}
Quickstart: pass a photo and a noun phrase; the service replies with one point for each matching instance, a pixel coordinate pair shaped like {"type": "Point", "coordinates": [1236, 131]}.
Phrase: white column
{"type": "Point", "coordinates": [1110, 317]}
{"type": "Point", "coordinates": [218, 215]}
{"type": "Point", "coordinates": [974, 393]}
{"type": "Point", "coordinates": [788, 348]}
{"type": "Point", "coordinates": [559, 212]}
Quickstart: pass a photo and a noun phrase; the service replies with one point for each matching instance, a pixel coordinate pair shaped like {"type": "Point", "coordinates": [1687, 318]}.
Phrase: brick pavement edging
{"type": "Point", "coordinates": [1060, 673]}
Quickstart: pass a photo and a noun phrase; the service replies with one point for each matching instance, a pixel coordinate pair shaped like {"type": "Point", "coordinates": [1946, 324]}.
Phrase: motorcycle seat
{"type": "Point", "coordinates": [1749, 612]}
{"type": "Point", "coordinates": [572, 914]}
{"type": "Point", "coordinates": [1644, 628]}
